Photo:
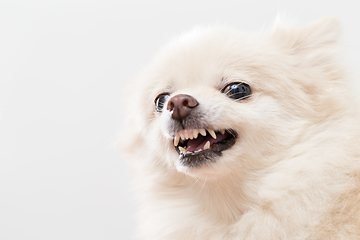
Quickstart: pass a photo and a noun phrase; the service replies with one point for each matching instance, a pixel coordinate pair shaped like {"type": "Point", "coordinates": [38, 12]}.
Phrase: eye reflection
{"type": "Point", "coordinates": [160, 101]}
{"type": "Point", "coordinates": [237, 91]}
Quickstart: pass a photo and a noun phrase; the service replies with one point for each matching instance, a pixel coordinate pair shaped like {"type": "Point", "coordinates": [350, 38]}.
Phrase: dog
{"type": "Point", "coordinates": [246, 136]}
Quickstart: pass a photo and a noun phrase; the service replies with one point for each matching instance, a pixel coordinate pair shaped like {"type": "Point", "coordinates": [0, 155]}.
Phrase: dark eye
{"type": "Point", "coordinates": [237, 91]}
{"type": "Point", "coordinates": [159, 101]}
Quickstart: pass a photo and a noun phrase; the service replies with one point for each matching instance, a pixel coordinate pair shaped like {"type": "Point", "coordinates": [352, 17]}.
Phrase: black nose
{"type": "Point", "coordinates": [181, 105]}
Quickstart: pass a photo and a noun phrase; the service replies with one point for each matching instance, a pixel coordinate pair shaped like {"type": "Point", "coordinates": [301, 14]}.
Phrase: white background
{"type": "Point", "coordinates": [63, 67]}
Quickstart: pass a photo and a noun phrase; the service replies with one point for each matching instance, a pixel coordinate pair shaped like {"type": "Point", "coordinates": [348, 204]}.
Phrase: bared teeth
{"type": "Point", "coordinates": [186, 135]}
{"type": "Point", "coordinates": [195, 133]}
{"type": "Point", "coordinates": [176, 139]}
{"type": "Point", "coordinates": [182, 150]}
{"type": "Point", "coordinates": [202, 132]}
{"type": "Point", "coordinates": [212, 133]}
{"type": "Point", "coordinates": [207, 145]}
{"type": "Point", "coordinates": [182, 136]}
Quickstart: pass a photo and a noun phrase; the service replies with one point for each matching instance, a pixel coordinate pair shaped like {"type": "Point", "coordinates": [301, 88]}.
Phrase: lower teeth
{"type": "Point", "coordinates": [184, 151]}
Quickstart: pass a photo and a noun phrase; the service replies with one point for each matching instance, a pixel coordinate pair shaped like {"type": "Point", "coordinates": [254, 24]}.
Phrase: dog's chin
{"type": "Point", "coordinates": [197, 160]}
{"type": "Point", "coordinates": [212, 166]}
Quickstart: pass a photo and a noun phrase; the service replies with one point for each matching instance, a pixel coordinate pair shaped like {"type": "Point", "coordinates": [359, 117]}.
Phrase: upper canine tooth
{"type": "Point", "coordinates": [202, 132]}
{"type": "Point", "coordinates": [212, 133]}
{"type": "Point", "coordinates": [176, 139]}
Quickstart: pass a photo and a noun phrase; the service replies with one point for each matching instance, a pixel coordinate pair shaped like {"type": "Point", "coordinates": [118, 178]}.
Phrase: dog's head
{"type": "Point", "coordinates": [217, 101]}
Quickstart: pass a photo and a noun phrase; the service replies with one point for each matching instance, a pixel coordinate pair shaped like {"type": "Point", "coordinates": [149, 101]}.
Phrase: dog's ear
{"type": "Point", "coordinates": [319, 36]}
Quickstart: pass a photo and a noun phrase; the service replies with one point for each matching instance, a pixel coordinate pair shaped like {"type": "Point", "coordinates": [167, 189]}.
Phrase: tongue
{"type": "Point", "coordinates": [199, 143]}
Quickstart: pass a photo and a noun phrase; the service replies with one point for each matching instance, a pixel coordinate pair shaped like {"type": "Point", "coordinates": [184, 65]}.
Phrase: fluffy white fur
{"type": "Point", "coordinates": [293, 172]}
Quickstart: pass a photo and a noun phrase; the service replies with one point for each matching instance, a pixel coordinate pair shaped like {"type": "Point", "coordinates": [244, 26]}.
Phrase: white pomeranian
{"type": "Point", "coordinates": [246, 136]}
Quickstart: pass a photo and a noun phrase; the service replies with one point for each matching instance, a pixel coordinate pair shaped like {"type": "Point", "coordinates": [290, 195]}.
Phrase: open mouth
{"type": "Point", "coordinates": [196, 146]}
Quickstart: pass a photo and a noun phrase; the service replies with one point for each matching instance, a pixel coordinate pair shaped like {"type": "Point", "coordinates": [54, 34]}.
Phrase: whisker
{"type": "Point", "coordinates": [196, 181]}
{"type": "Point", "coordinates": [203, 185]}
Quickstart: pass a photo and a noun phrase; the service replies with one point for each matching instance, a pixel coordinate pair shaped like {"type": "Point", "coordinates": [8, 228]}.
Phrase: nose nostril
{"type": "Point", "coordinates": [191, 103]}
{"type": "Point", "coordinates": [185, 103]}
